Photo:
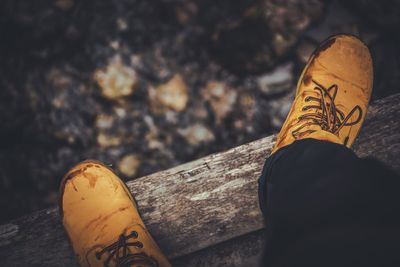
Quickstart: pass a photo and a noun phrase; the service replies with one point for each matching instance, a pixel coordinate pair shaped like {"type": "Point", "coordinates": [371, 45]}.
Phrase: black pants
{"type": "Point", "coordinates": [324, 206]}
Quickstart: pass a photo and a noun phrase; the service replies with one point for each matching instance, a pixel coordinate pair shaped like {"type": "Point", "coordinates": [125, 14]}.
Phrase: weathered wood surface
{"type": "Point", "coordinates": [200, 210]}
{"type": "Point", "coordinates": [242, 251]}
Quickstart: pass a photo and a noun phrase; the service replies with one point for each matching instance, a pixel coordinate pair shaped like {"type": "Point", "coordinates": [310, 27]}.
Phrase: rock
{"type": "Point", "coordinates": [62, 105]}
{"type": "Point", "coordinates": [153, 141]}
{"type": "Point", "coordinates": [221, 99]}
{"type": "Point", "coordinates": [278, 110]}
{"type": "Point", "coordinates": [122, 24]}
{"type": "Point", "coordinates": [282, 44]}
{"type": "Point", "coordinates": [185, 11]}
{"type": "Point", "coordinates": [276, 82]}
{"type": "Point", "coordinates": [172, 95]}
{"type": "Point", "coordinates": [129, 165]}
{"type": "Point", "coordinates": [116, 80]}
{"type": "Point", "coordinates": [239, 124]}
{"type": "Point", "coordinates": [200, 111]}
{"type": "Point", "coordinates": [288, 19]}
{"type": "Point", "coordinates": [120, 112]}
{"type": "Point", "coordinates": [104, 121]}
{"type": "Point", "coordinates": [152, 136]}
{"type": "Point", "coordinates": [107, 140]}
{"type": "Point", "coordinates": [247, 106]}
{"type": "Point", "coordinates": [197, 134]}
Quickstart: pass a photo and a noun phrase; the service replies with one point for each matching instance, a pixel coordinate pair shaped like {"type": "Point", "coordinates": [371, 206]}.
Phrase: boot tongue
{"type": "Point", "coordinates": [315, 132]}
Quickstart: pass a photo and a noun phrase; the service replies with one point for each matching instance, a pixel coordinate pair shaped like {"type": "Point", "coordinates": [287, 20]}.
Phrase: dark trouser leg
{"type": "Point", "coordinates": [322, 202]}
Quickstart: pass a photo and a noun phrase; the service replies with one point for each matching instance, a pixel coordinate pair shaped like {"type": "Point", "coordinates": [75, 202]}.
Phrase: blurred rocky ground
{"type": "Point", "coordinates": [147, 85]}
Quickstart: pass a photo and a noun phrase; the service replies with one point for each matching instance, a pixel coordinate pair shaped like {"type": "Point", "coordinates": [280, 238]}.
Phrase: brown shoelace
{"type": "Point", "coordinates": [327, 115]}
{"type": "Point", "coordinates": [120, 253]}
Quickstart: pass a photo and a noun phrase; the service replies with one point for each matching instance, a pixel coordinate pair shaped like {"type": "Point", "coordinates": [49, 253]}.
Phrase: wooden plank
{"type": "Point", "coordinates": [242, 251]}
{"type": "Point", "coordinates": [192, 208]}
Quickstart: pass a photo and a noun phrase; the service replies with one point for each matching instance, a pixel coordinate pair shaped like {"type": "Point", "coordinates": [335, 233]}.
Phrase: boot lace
{"type": "Point", "coordinates": [119, 253]}
{"type": "Point", "coordinates": [327, 115]}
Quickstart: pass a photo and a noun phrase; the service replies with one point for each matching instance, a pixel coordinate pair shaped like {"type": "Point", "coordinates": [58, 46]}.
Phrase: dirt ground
{"type": "Point", "coordinates": [147, 85]}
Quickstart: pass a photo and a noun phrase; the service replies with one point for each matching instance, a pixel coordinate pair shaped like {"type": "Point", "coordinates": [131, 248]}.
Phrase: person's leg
{"type": "Point", "coordinates": [312, 188]}
{"type": "Point", "coordinates": [312, 184]}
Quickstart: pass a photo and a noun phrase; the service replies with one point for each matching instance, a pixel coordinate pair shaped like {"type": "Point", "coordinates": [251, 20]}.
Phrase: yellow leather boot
{"type": "Point", "coordinates": [332, 94]}
{"type": "Point", "coordinates": [101, 219]}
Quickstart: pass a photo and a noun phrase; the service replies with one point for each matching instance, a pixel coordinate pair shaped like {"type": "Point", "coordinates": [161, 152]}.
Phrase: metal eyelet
{"type": "Point", "coordinates": [134, 234]}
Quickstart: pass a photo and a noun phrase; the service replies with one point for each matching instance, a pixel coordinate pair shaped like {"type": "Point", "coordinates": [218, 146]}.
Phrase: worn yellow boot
{"type": "Point", "coordinates": [102, 221]}
{"type": "Point", "coordinates": [332, 94]}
